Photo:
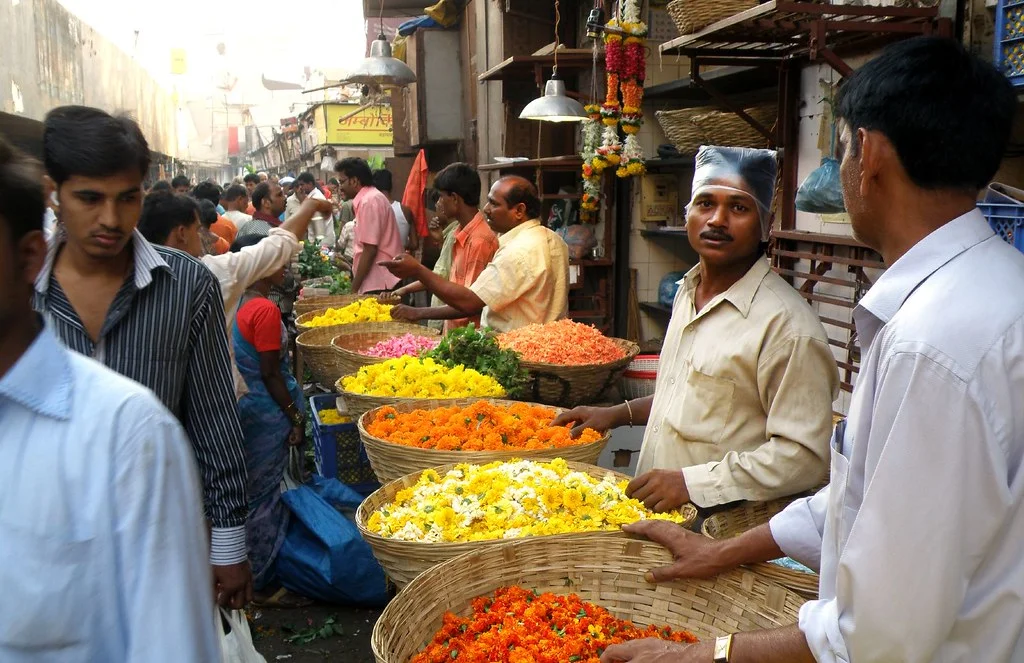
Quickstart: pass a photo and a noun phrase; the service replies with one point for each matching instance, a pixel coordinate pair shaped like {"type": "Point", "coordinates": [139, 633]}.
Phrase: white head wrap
{"type": "Point", "coordinates": [756, 168]}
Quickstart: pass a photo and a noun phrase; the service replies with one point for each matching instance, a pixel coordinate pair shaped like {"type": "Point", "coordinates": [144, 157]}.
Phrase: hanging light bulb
{"type": "Point", "coordinates": [381, 69]}
{"type": "Point", "coordinates": [555, 105]}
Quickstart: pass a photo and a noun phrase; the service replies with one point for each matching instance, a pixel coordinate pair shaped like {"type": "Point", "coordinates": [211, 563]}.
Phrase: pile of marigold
{"type": "Point", "coordinates": [364, 310]}
{"type": "Point", "coordinates": [482, 426]}
{"type": "Point", "coordinates": [415, 377]}
{"type": "Point", "coordinates": [507, 500]}
{"type": "Point", "coordinates": [517, 625]}
{"type": "Point", "coordinates": [563, 342]}
{"type": "Point", "coordinates": [331, 417]}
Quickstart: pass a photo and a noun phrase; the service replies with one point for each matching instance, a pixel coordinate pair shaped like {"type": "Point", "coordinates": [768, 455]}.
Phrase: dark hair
{"type": "Point", "coordinates": [78, 140]}
{"type": "Point", "coordinates": [461, 179]}
{"type": "Point", "coordinates": [383, 180]}
{"type": "Point", "coordinates": [181, 180]}
{"type": "Point", "coordinates": [244, 241]}
{"type": "Point", "coordinates": [163, 212]}
{"type": "Point", "coordinates": [947, 113]}
{"type": "Point", "coordinates": [21, 192]}
{"type": "Point", "coordinates": [523, 191]}
{"type": "Point", "coordinates": [355, 168]}
{"type": "Point", "coordinates": [261, 191]}
{"type": "Point", "coordinates": [251, 177]}
{"type": "Point", "coordinates": [334, 181]}
{"type": "Point", "coordinates": [207, 191]}
{"type": "Point", "coordinates": [207, 213]}
{"type": "Point", "coordinates": [160, 185]}
{"type": "Point", "coordinates": [234, 192]}
{"type": "Point", "coordinates": [306, 178]}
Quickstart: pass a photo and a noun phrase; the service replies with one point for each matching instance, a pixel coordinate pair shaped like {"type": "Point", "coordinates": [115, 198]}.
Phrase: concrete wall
{"type": "Point", "coordinates": [48, 58]}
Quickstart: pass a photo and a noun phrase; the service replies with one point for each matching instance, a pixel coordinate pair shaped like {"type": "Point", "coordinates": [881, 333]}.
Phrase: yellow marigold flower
{"type": "Point", "coordinates": [413, 377]}
{"type": "Point", "coordinates": [364, 310]}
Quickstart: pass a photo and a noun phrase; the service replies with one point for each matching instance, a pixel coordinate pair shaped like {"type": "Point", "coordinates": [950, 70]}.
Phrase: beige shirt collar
{"type": "Point", "coordinates": [740, 294]}
{"type": "Point", "coordinates": [505, 238]}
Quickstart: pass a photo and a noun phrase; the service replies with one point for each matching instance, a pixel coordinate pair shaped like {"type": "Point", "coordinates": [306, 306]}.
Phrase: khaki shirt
{"type": "Point", "coordinates": [527, 281]}
{"type": "Point", "coordinates": [743, 399]}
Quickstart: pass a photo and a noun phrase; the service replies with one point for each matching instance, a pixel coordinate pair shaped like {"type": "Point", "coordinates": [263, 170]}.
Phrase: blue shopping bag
{"type": "Point", "coordinates": [323, 556]}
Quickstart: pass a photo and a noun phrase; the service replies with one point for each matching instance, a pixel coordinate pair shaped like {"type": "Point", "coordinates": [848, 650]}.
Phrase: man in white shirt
{"type": "Point", "coordinates": [321, 228]}
{"type": "Point", "coordinates": [235, 200]}
{"type": "Point", "coordinates": [917, 537]}
{"type": "Point", "coordinates": [102, 539]}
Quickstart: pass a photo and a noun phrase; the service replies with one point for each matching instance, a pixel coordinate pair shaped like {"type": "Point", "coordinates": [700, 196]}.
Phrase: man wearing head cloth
{"type": "Point", "coordinates": [742, 408]}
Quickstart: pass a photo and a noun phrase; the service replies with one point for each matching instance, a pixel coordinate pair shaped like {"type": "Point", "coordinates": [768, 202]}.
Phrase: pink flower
{"type": "Point", "coordinates": [400, 346]}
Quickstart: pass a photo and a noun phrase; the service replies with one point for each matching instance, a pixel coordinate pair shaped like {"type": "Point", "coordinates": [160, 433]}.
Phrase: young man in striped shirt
{"type": "Point", "coordinates": [153, 314]}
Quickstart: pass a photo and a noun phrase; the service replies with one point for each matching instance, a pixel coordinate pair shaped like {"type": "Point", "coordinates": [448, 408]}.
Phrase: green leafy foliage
{"type": "Point", "coordinates": [328, 629]}
{"type": "Point", "coordinates": [478, 349]}
{"type": "Point", "coordinates": [341, 284]}
{"type": "Point", "coordinates": [314, 263]}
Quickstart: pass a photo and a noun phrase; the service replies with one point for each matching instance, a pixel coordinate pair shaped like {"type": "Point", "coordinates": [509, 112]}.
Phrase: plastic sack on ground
{"type": "Point", "coordinates": [668, 287]}
{"type": "Point", "coordinates": [822, 192]}
{"type": "Point", "coordinates": [323, 556]}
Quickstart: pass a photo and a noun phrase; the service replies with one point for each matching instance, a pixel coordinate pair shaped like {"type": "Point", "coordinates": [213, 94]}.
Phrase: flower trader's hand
{"type": "Point", "coordinates": [660, 490]}
{"type": "Point", "coordinates": [403, 266]}
{"type": "Point", "coordinates": [600, 419]}
{"type": "Point", "coordinates": [695, 556]}
{"type": "Point", "coordinates": [653, 650]}
{"type": "Point", "coordinates": [408, 313]}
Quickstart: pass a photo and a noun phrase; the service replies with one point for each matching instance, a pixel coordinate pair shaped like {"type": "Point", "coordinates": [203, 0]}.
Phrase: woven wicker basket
{"type": "Point", "coordinates": [606, 571]}
{"type": "Point", "coordinates": [734, 522]}
{"type": "Point", "coordinates": [308, 304]}
{"type": "Point", "coordinates": [392, 461]}
{"type": "Point", "coordinates": [353, 338]}
{"type": "Point", "coordinates": [729, 129]}
{"type": "Point", "coordinates": [404, 560]}
{"type": "Point", "coordinates": [569, 386]}
{"type": "Point", "coordinates": [301, 322]}
{"type": "Point", "coordinates": [680, 129]}
{"type": "Point", "coordinates": [692, 16]}
{"type": "Point", "coordinates": [314, 346]}
{"type": "Point", "coordinates": [359, 404]}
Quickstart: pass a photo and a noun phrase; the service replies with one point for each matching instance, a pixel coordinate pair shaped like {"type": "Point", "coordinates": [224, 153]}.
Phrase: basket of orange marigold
{"type": "Point", "coordinates": [556, 600]}
{"type": "Point", "coordinates": [408, 437]}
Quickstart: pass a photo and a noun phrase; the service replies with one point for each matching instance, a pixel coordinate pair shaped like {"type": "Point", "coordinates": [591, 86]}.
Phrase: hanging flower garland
{"type": "Point", "coordinates": [591, 200]}
{"type": "Point", "coordinates": [631, 85]}
{"type": "Point", "coordinates": [609, 153]}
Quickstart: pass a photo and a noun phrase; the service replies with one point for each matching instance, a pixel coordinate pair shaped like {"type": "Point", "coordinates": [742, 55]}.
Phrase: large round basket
{"type": "Point", "coordinates": [569, 386]}
{"type": "Point", "coordinates": [314, 347]}
{"type": "Point", "coordinates": [404, 560]}
{"type": "Point", "coordinates": [392, 461]}
{"type": "Point", "coordinates": [302, 322]}
{"type": "Point", "coordinates": [602, 570]}
{"type": "Point", "coordinates": [734, 522]}
{"type": "Point", "coordinates": [308, 304]}
{"type": "Point", "coordinates": [352, 339]}
{"type": "Point", "coordinates": [359, 404]}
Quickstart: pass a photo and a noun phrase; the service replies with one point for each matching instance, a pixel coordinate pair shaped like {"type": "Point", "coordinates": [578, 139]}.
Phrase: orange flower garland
{"type": "Point", "coordinates": [520, 626]}
{"type": "Point", "coordinates": [482, 426]}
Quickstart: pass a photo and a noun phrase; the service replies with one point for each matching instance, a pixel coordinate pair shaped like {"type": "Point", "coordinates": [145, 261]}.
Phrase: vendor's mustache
{"type": "Point", "coordinates": [716, 235]}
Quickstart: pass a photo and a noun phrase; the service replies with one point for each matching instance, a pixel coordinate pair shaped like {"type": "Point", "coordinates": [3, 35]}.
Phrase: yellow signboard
{"type": "Point", "coordinates": [370, 126]}
{"type": "Point", "coordinates": [179, 62]}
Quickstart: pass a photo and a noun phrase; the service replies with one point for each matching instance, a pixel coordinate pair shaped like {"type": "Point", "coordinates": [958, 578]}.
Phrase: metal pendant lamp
{"type": "Point", "coordinates": [555, 105]}
{"type": "Point", "coordinates": [381, 68]}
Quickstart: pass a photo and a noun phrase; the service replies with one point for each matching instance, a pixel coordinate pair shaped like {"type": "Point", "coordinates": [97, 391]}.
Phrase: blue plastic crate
{"type": "Point", "coordinates": [337, 450]}
{"type": "Point", "coordinates": [1009, 40]}
{"type": "Point", "coordinates": [1007, 220]}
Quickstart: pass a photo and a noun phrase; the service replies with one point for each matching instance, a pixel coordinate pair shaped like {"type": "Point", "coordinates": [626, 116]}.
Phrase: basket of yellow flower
{"type": "Point", "coordinates": [355, 345]}
{"type": "Point", "coordinates": [605, 572]}
{"type": "Point", "coordinates": [428, 517]}
{"type": "Point", "coordinates": [319, 354]}
{"type": "Point", "coordinates": [412, 380]}
{"type": "Point", "coordinates": [786, 572]}
{"type": "Point", "coordinates": [412, 437]}
{"type": "Point", "coordinates": [362, 310]}
{"type": "Point", "coordinates": [409, 437]}
{"type": "Point", "coordinates": [309, 304]}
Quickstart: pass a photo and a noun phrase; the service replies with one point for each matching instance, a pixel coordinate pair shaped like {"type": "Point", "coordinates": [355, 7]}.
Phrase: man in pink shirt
{"type": "Point", "coordinates": [377, 238]}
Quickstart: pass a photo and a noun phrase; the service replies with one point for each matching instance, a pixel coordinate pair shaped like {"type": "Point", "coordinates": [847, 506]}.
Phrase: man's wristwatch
{"type": "Point", "coordinates": [723, 648]}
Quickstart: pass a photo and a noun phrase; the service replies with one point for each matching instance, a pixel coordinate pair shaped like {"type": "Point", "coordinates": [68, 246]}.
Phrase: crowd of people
{"type": "Point", "coordinates": [153, 469]}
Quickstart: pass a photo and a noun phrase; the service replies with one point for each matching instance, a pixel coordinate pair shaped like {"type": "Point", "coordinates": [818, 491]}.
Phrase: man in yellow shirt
{"type": "Point", "coordinates": [526, 282]}
{"type": "Point", "coordinates": [742, 408]}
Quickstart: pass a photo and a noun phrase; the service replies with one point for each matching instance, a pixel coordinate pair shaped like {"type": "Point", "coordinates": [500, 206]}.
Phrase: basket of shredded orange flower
{"type": "Point", "coordinates": [569, 363]}
{"type": "Point", "coordinates": [557, 600]}
{"type": "Point", "coordinates": [428, 517]}
{"type": "Point", "coordinates": [410, 437]}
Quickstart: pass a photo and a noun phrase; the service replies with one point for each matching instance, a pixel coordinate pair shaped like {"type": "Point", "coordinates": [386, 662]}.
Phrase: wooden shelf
{"type": "Point", "coordinates": [734, 80]}
{"type": "Point", "coordinates": [684, 162]}
{"type": "Point", "coordinates": [547, 163]}
{"type": "Point", "coordinates": [560, 196]}
{"type": "Point", "coordinates": [659, 232]}
{"type": "Point", "coordinates": [600, 262]}
{"type": "Point", "coordinates": [656, 308]}
{"type": "Point", "coordinates": [519, 67]}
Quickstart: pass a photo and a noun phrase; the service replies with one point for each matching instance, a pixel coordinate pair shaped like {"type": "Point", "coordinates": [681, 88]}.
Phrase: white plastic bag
{"type": "Point", "coordinates": [236, 646]}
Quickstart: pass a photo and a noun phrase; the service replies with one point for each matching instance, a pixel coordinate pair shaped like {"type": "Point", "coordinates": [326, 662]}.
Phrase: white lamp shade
{"type": "Point", "coordinates": [381, 69]}
{"type": "Point", "coordinates": [554, 106]}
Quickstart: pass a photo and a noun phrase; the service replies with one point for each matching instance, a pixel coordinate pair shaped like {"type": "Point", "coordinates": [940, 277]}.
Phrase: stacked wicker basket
{"type": "Point", "coordinates": [321, 354]}
{"type": "Point", "coordinates": [569, 386]}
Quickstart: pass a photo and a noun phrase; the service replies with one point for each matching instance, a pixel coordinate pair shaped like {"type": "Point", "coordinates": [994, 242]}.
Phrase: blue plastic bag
{"type": "Point", "coordinates": [667, 288]}
{"type": "Point", "coordinates": [323, 555]}
{"type": "Point", "coordinates": [822, 192]}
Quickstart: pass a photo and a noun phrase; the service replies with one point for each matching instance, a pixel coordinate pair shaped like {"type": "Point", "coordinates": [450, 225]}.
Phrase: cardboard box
{"type": "Point", "coordinates": [659, 199]}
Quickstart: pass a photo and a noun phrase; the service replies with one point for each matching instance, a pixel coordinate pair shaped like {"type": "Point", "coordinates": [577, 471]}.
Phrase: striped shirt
{"type": "Point", "coordinates": [165, 330]}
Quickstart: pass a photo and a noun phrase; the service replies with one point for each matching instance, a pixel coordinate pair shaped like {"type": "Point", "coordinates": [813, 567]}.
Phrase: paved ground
{"type": "Point", "coordinates": [272, 630]}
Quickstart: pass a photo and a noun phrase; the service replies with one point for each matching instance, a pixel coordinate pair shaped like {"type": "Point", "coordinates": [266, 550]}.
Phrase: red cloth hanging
{"type": "Point", "coordinates": [413, 195]}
